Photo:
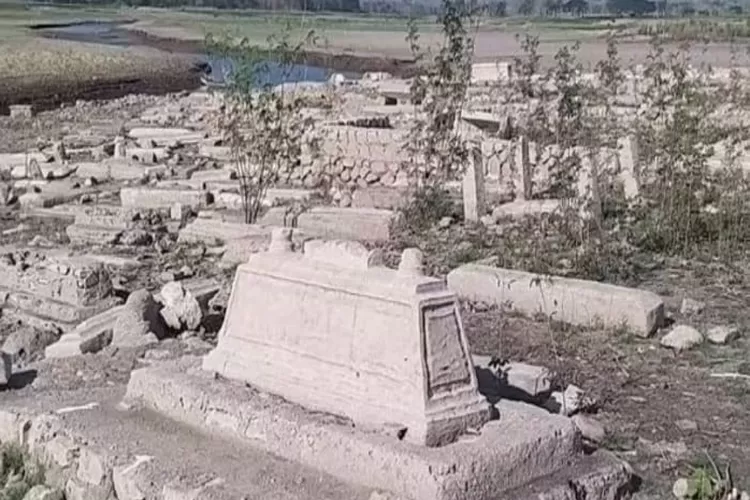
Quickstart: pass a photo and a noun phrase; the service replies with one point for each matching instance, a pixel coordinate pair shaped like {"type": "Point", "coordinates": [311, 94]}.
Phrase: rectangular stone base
{"type": "Point", "coordinates": [84, 235]}
{"type": "Point", "coordinates": [40, 311]}
{"type": "Point", "coordinates": [524, 444]}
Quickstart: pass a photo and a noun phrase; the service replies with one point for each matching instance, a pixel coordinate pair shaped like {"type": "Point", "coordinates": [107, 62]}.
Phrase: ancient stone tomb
{"type": "Point", "coordinates": [336, 331]}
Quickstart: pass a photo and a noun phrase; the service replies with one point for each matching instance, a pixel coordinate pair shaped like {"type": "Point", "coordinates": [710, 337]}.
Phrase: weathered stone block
{"type": "Point", "coordinates": [390, 198]}
{"type": "Point", "coordinates": [573, 301]}
{"type": "Point", "coordinates": [312, 332]}
{"type": "Point", "coordinates": [346, 223]}
{"type": "Point", "coordinates": [165, 136]}
{"type": "Point", "coordinates": [74, 280]}
{"type": "Point", "coordinates": [163, 198]}
{"type": "Point", "coordinates": [64, 290]}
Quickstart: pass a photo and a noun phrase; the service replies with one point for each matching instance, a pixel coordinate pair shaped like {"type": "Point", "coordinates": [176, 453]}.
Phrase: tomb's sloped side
{"type": "Point", "coordinates": [373, 345]}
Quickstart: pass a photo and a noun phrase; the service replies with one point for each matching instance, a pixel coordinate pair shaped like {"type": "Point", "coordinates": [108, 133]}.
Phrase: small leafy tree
{"type": "Point", "coordinates": [264, 125]}
{"type": "Point", "coordinates": [439, 152]}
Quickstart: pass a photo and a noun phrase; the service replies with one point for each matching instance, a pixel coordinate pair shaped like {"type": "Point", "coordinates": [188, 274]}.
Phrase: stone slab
{"type": "Point", "coordinates": [347, 223]}
{"type": "Point", "coordinates": [215, 174]}
{"type": "Point", "coordinates": [233, 200]}
{"type": "Point", "coordinates": [40, 312]}
{"type": "Point", "coordinates": [211, 231]}
{"type": "Point", "coordinates": [573, 301]}
{"type": "Point", "coordinates": [85, 235]}
{"type": "Point", "coordinates": [118, 169]}
{"type": "Point", "coordinates": [217, 152]}
{"type": "Point", "coordinates": [537, 452]}
{"type": "Point", "coordinates": [56, 193]}
{"type": "Point", "coordinates": [165, 136]}
{"type": "Point", "coordinates": [10, 160]}
{"type": "Point", "coordinates": [523, 208]}
{"type": "Point", "coordinates": [86, 337]}
{"type": "Point", "coordinates": [390, 198]}
{"type": "Point", "coordinates": [163, 198]}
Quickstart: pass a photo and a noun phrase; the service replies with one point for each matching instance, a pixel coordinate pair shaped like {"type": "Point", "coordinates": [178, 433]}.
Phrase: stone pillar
{"type": "Point", "coordinates": [411, 262]}
{"type": "Point", "coordinates": [473, 187]}
{"type": "Point", "coordinates": [120, 147]}
{"type": "Point", "coordinates": [526, 181]}
{"type": "Point", "coordinates": [628, 160]}
{"type": "Point", "coordinates": [281, 240]}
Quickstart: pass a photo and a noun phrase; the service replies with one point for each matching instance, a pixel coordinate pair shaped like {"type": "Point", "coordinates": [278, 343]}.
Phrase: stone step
{"type": "Point", "coordinates": [96, 449]}
{"type": "Point", "coordinates": [524, 444]}
{"type": "Point", "coordinates": [41, 312]}
{"type": "Point", "coordinates": [84, 235]}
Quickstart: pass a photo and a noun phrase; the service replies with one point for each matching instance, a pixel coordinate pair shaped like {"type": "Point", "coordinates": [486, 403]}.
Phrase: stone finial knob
{"type": "Point", "coordinates": [281, 240]}
{"type": "Point", "coordinates": [412, 262]}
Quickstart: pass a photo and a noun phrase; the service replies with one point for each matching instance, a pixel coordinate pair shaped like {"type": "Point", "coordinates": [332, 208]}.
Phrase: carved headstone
{"type": "Point", "coordinates": [334, 331]}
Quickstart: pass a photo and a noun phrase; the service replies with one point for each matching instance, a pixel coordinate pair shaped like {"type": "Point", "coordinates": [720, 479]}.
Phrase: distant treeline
{"type": "Point", "coordinates": [495, 8]}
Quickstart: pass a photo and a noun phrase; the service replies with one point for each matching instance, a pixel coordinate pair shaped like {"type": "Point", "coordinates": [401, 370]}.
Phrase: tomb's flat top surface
{"type": "Point", "coordinates": [379, 282]}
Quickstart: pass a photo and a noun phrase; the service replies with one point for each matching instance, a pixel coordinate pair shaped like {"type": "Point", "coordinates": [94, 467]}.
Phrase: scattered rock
{"type": "Point", "coordinates": [675, 450]}
{"type": "Point", "coordinates": [532, 380]}
{"type": "Point", "coordinates": [681, 488]}
{"type": "Point", "coordinates": [690, 306]}
{"type": "Point", "coordinates": [590, 429]}
{"type": "Point", "coordinates": [568, 402]}
{"type": "Point", "coordinates": [28, 343]}
{"type": "Point", "coordinates": [686, 425]}
{"type": "Point", "coordinates": [185, 272]}
{"type": "Point", "coordinates": [723, 334]}
{"type": "Point", "coordinates": [178, 211]}
{"type": "Point", "coordinates": [42, 492]}
{"type": "Point", "coordinates": [40, 241]}
{"type": "Point", "coordinates": [139, 322]}
{"type": "Point", "coordinates": [136, 237]}
{"type": "Point", "coordinates": [682, 337]}
{"type": "Point", "coordinates": [167, 277]}
{"type": "Point", "coordinates": [445, 222]}
{"type": "Point", "coordinates": [181, 309]}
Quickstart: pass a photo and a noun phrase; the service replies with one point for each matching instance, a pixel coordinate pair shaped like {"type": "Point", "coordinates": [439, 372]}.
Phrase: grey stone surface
{"type": "Point", "coordinates": [578, 302]}
{"type": "Point", "coordinates": [181, 309]}
{"type": "Point", "coordinates": [682, 337]}
{"type": "Point", "coordinates": [91, 335]}
{"type": "Point", "coordinates": [723, 334]}
{"type": "Point", "coordinates": [139, 321]}
{"type": "Point", "coordinates": [346, 223]}
{"type": "Point", "coordinates": [590, 428]}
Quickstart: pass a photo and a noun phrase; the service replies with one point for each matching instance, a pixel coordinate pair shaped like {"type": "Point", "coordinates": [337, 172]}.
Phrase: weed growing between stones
{"type": "Point", "coordinates": [265, 126]}
{"type": "Point", "coordinates": [681, 203]}
{"type": "Point", "coordinates": [18, 472]}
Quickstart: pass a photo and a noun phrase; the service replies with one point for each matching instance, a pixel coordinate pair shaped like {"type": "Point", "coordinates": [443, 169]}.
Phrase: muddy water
{"type": "Point", "coordinates": [113, 33]}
